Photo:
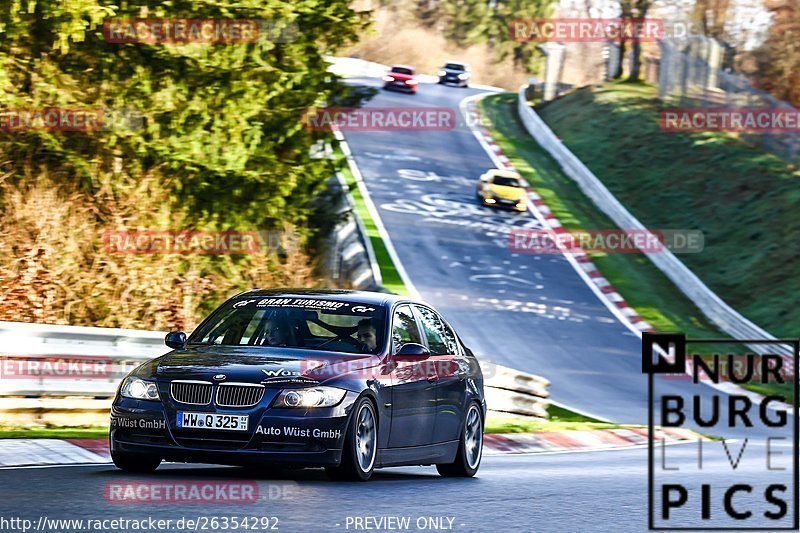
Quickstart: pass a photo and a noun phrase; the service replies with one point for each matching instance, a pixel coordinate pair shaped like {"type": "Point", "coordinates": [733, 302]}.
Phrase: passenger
{"type": "Point", "coordinates": [275, 334]}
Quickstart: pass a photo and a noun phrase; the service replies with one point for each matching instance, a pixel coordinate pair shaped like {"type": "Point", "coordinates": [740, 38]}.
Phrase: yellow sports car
{"type": "Point", "coordinates": [503, 188]}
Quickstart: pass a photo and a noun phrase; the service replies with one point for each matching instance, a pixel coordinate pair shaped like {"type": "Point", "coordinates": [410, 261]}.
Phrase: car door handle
{"type": "Point", "coordinates": [433, 378]}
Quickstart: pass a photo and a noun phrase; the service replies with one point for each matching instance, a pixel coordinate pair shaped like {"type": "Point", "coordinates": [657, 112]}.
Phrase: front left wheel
{"type": "Point", "coordinates": [470, 447]}
{"type": "Point", "coordinates": [360, 445]}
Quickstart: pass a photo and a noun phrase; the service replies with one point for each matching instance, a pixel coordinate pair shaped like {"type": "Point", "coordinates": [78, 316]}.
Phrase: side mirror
{"type": "Point", "coordinates": [411, 351]}
{"type": "Point", "coordinates": [175, 339]}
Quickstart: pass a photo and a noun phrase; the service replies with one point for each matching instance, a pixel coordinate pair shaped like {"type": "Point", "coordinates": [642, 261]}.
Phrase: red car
{"type": "Point", "coordinates": [401, 77]}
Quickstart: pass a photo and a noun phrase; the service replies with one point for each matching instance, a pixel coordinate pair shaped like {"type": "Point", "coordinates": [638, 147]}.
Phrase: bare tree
{"type": "Point", "coordinates": [639, 10]}
{"type": "Point", "coordinates": [626, 13]}
{"type": "Point", "coordinates": [711, 16]}
{"type": "Point", "coordinates": [778, 59]}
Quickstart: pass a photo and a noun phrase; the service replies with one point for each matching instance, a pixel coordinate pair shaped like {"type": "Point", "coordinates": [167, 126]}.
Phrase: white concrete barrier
{"type": "Point", "coordinates": [712, 306]}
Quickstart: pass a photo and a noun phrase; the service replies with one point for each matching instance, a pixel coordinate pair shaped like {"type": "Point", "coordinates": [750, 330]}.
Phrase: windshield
{"type": "Point", "coordinates": [505, 181]}
{"type": "Point", "coordinates": [454, 66]}
{"type": "Point", "coordinates": [402, 70]}
{"type": "Point", "coordinates": [311, 324]}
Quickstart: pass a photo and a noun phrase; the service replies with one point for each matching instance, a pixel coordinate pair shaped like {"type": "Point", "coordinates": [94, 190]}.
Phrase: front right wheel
{"type": "Point", "coordinates": [470, 447]}
{"type": "Point", "coordinates": [360, 445]}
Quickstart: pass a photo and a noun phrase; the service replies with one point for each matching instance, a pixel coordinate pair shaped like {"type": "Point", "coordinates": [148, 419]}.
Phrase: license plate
{"type": "Point", "coordinates": [188, 419]}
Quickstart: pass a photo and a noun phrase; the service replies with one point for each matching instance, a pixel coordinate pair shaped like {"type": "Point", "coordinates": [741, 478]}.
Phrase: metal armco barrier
{"type": "Point", "coordinates": [65, 399]}
{"type": "Point", "coordinates": [513, 392]}
{"type": "Point", "coordinates": [712, 306]}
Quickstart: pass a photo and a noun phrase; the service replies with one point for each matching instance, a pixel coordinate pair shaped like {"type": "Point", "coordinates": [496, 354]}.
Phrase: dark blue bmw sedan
{"type": "Point", "coordinates": [351, 381]}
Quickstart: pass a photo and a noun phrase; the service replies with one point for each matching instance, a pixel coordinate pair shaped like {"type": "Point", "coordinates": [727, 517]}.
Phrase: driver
{"type": "Point", "coordinates": [367, 335]}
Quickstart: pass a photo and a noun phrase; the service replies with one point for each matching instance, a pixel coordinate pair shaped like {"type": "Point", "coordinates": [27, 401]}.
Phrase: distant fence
{"type": "Point", "coordinates": [690, 73]}
{"type": "Point", "coordinates": [713, 307]}
{"type": "Point", "coordinates": [69, 400]}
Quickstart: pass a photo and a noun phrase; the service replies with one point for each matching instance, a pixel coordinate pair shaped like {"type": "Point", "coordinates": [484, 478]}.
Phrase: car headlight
{"type": "Point", "coordinates": [312, 397]}
{"type": "Point", "coordinates": [388, 78]}
{"type": "Point", "coordinates": [463, 76]}
{"type": "Point", "coordinates": [139, 389]}
{"type": "Point", "coordinates": [442, 73]}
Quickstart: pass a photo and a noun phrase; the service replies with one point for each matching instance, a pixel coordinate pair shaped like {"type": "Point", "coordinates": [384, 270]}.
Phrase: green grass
{"type": "Point", "coordinates": [560, 414]}
{"type": "Point", "coordinates": [559, 419]}
{"type": "Point", "coordinates": [391, 278]}
{"type": "Point", "coordinates": [644, 286]}
{"type": "Point", "coordinates": [524, 425]}
{"type": "Point", "coordinates": [746, 201]}
{"type": "Point", "coordinates": [42, 432]}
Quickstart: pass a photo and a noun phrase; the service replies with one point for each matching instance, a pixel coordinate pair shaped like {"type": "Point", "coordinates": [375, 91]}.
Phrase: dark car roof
{"type": "Point", "coordinates": [367, 297]}
{"type": "Point", "coordinates": [412, 69]}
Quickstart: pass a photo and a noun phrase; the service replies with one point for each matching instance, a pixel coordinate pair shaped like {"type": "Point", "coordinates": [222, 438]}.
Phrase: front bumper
{"type": "Point", "coordinates": [328, 457]}
{"type": "Point", "coordinates": [400, 85]}
{"type": "Point", "coordinates": [453, 79]}
{"type": "Point", "coordinates": [513, 205]}
{"type": "Point", "coordinates": [285, 436]}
